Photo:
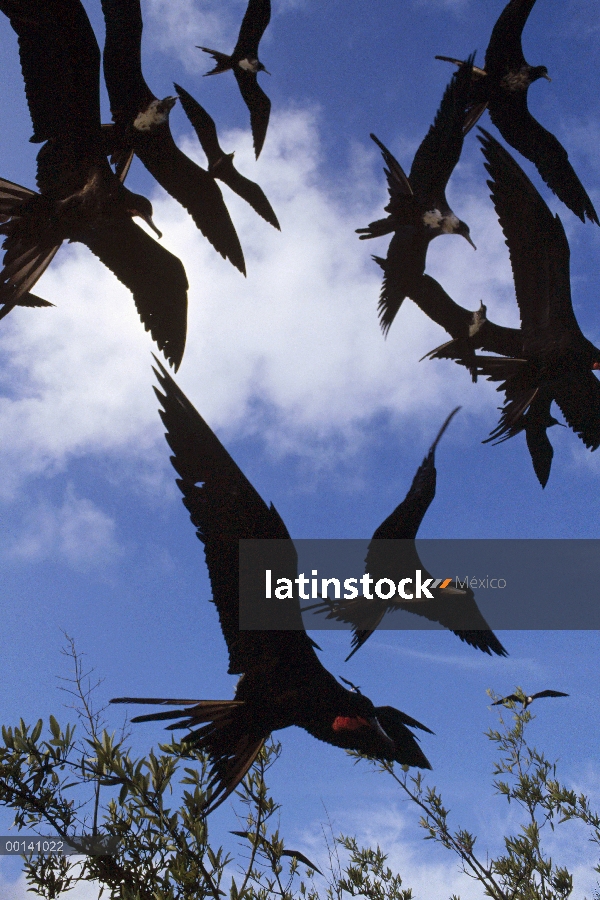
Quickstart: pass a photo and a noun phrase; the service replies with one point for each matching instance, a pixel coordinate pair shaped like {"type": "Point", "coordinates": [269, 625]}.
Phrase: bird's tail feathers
{"type": "Point", "coordinates": [460, 351]}
{"type": "Point", "coordinates": [226, 734]}
{"type": "Point", "coordinates": [377, 228]}
{"type": "Point", "coordinates": [20, 273]}
{"type": "Point", "coordinates": [500, 368]}
{"type": "Point", "coordinates": [11, 197]}
{"type": "Point", "coordinates": [223, 62]}
{"type": "Point", "coordinates": [512, 420]}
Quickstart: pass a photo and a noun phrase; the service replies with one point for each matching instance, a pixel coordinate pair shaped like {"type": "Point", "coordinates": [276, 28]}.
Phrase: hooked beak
{"type": "Point", "coordinates": [148, 220]}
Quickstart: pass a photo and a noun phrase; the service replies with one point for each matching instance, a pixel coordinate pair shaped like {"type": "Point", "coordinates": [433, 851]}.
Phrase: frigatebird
{"type": "Point", "coordinates": [535, 422]}
{"type": "Point", "coordinates": [392, 555]}
{"type": "Point", "coordinates": [141, 125]}
{"type": "Point", "coordinates": [502, 87]}
{"type": "Point", "coordinates": [283, 682]}
{"type": "Point", "coordinates": [527, 699]}
{"type": "Point", "coordinates": [246, 65]}
{"type": "Point", "coordinates": [220, 164]}
{"type": "Point", "coordinates": [470, 331]}
{"type": "Point", "coordinates": [80, 198]}
{"type": "Point", "coordinates": [556, 361]}
{"type": "Point", "coordinates": [418, 209]}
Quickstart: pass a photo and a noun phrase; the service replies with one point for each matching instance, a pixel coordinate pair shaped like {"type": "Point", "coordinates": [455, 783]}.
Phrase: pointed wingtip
{"type": "Point", "coordinates": [440, 433]}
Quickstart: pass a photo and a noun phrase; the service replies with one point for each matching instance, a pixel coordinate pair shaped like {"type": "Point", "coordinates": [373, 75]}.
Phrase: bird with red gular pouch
{"type": "Point", "coordinates": [245, 65]}
{"type": "Point", "coordinates": [283, 682]}
{"type": "Point", "coordinates": [141, 126]}
{"type": "Point", "coordinates": [418, 209]}
{"type": "Point", "coordinates": [80, 198]}
{"type": "Point", "coordinates": [502, 88]}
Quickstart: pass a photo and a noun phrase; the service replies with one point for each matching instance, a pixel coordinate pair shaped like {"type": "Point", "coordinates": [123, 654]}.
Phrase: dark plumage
{"type": "Point", "coordinates": [418, 209]}
{"type": "Point", "coordinates": [283, 683]}
{"type": "Point", "coordinates": [450, 606]}
{"type": "Point", "coordinates": [470, 331]}
{"type": "Point", "coordinates": [246, 65]}
{"type": "Point", "coordinates": [220, 164]}
{"type": "Point", "coordinates": [142, 126]}
{"type": "Point", "coordinates": [535, 423]}
{"type": "Point", "coordinates": [502, 88]}
{"type": "Point", "coordinates": [80, 198]}
{"type": "Point", "coordinates": [527, 700]}
{"type": "Point", "coordinates": [556, 360]}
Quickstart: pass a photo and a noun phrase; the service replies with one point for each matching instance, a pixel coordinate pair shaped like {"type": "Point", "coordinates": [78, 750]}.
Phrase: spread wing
{"type": "Point", "coordinates": [122, 59]}
{"type": "Point", "coordinates": [511, 116]}
{"type": "Point", "coordinates": [539, 252]}
{"type": "Point", "coordinates": [399, 187]}
{"type": "Point", "coordinates": [258, 104]}
{"type": "Point", "coordinates": [225, 508]}
{"type": "Point", "coordinates": [256, 18]}
{"type": "Point", "coordinates": [578, 399]}
{"type": "Point", "coordinates": [221, 164]}
{"type": "Point", "coordinates": [440, 150]}
{"type": "Point", "coordinates": [60, 61]}
{"type": "Point", "coordinates": [203, 124]}
{"type": "Point", "coordinates": [193, 187]}
{"type": "Point", "coordinates": [433, 300]}
{"type": "Point", "coordinates": [392, 554]}
{"type": "Point", "coordinates": [404, 522]}
{"type": "Point", "coordinates": [154, 276]}
{"type": "Point", "coordinates": [504, 50]}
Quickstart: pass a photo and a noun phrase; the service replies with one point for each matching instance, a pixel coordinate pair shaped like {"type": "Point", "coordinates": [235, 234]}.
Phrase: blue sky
{"type": "Point", "coordinates": [326, 418]}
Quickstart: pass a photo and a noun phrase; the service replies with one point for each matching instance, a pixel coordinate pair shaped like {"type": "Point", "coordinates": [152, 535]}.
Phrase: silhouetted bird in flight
{"type": "Point", "coordinates": [418, 209]}
{"type": "Point", "coordinates": [246, 65]}
{"type": "Point", "coordinates": [526, 700]}
{"type": "Point", "coordinates": [502, 87]}
{"type": "Point", "coordinates": [470, 331]}
{"type": "Point", "coordinates": [142, 125]}
{"type": "Point", "coordinates": [392, 554]}
{"type": "Point", "coordinates": [80, 198]}
{"type": "Point", "coordinates": [220, 164]}
{"type": "Point", "coordinates": [556, 360]}
{"type": "Point", "coordinates": [283, 683]}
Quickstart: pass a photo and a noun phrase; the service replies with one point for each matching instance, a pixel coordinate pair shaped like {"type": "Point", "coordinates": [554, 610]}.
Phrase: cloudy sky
{"type": "Point", "coordinates": [326, 418]}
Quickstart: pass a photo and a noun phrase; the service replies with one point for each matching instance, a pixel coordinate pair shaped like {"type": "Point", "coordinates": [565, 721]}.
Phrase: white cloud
{"type": "Point", "coordinates": [176, 29]}
{"type": "Point", "coordinates": [480, 661]}
{"type": "Point", "coordinates": [76, 531]}
{"type": "Point", "coordinates": [430, 871]}
{"type": "Point", "coordinates": [18, 890]}
{"type": "Point", "coordinates": [293, 352]}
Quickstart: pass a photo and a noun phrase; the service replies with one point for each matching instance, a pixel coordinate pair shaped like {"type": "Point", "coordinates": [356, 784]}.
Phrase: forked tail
{"type": "Point", "coordinates": [223, 62]}
{"type": "Point", "coordinates": [226, 735]}
{"type": "Point", "coordinates": [24, 261]}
